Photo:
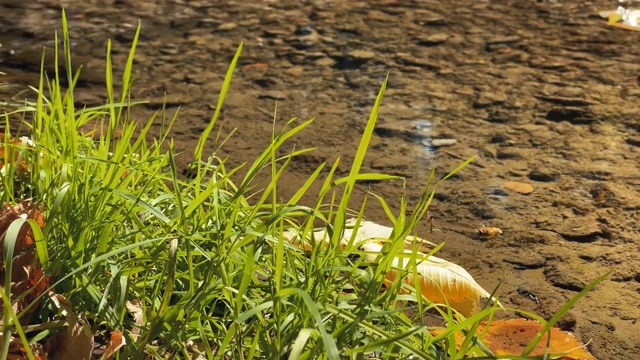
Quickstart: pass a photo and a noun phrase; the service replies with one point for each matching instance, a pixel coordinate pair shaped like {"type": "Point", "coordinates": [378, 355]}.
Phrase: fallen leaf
{"type": "Point", "coordinates": [488, 232]}
{"type": "Point", "coordinates": [116, 341]}
{"type": "Point", "coordinates": [27, 279]}
{"type": "Point", "coordinates": [367, 230]}
{"type": "Point", "coordinates": [77, 341]}
{"type": "Point", "coordinates": [623, 18]}
{"type": "Point", "coordinates": [440, 280]}
{"type": "Point", "coordinates": [519, 187]}
{"type": "Point", "coordinates": [135, 309]}
{"type": "Point", "coordinates": [625, 26]}
{"type": "Point", "coordinates": [18, 352]}
{"type": "Point", "coordinates": [10, 150]}
{"type": "Point", "coordinates": [510, 337]}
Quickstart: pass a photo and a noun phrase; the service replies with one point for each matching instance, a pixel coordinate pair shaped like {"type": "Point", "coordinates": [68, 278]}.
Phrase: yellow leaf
{"type": "Point", "coordinates": [440, 280]}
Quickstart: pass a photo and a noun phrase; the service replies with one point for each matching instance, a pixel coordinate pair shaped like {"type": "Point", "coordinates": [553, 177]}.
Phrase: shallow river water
{"type": "Point", "coordinates": [543, 92]}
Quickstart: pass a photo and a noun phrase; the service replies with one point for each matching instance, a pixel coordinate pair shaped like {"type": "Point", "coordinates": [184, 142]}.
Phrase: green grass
{"type": "Point", "coordinates": [204, 256]}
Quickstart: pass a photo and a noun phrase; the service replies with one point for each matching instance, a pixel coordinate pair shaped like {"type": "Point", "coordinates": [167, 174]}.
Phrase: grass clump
{"type": "Point", "coordinates": [202, 260]}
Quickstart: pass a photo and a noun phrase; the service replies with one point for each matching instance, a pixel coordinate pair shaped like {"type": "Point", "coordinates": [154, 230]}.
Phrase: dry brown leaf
{"type": "Point", "coordinates": [135, 309]}
{"type": "Point", "coordinates": [519, 187]}
{"type": "Point", "coordinates": [27, 279]}
{"type": "Point", "coordinates": [77, 341]}
{"type": "Point", "coordinates": [116, 341]}
{"type": "Point", "coordinates": [510, 337]}
{"type": "Point", "coordinates": [18, 352]}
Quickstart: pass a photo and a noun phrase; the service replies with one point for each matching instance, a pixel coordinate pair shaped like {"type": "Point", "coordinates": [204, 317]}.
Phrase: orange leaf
{"type": "Point", "coordinates": [10, 150]}
{"type": "Point", "coordinates": [510, 337]}
{"type": "Point", "coordinates": [116, 341]}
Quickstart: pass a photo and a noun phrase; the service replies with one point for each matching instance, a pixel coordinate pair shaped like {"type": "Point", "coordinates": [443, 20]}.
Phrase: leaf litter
{"type": "Point", "coordinates": [19, 262]}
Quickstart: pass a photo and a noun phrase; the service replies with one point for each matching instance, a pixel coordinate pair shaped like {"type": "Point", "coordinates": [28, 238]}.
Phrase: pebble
{"type": "Point", "coordinates": [543, 175]}
{"type": "Point", "coordinates": [437, 143]}
{"type": "Point", "coordinates": [325, 61]}
{"type": "Point", "coordinates": [412, 60]}
{"type": "Point", "coordinates": [227, 26]}
{"type": "Point", "coordinates": [487, 98]}
{"type": "Point", "coordinates": [434, 39]}
{"type": "Point", "coordinates": [362, 54]}
{"type": "Point", "coordinates": [504, 153]}
{"type": "Point", "coordinates": [295, 71]}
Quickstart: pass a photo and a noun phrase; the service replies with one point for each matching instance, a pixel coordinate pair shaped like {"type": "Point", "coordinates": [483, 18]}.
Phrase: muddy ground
{"type": "Point", "coordinates": [542, 91]}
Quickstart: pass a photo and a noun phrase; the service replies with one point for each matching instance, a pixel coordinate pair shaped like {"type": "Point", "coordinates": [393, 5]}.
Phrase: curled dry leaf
{"type": "Point", "coordinates": [135, 309]}
{"type": "Point", "coordinates": [18, 352]}
{"type": "Point", "coordinates": [510, 337]}
{"type": "Point", "coordinates": [488, 232]}
{"type": "Point", "coordinates": [27, 279]}
{"type": "Point", "coordinates": [77, 341]}
{"type": "Point", "coordinates": [367, 230]}
{"type": "Point", "coordinates": [116, 341]}
{"type": "Point", "coordinates": [440, 280]}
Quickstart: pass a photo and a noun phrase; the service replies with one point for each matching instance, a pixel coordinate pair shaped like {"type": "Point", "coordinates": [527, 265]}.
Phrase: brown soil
{"type": "Point", "coordinates": [543, 92]}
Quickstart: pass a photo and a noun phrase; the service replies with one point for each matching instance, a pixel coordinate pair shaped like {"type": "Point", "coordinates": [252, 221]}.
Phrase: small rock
{"type": "Point", "coordinates": [172, 50]}
{"type": "Point", "coordinates": [353, 59]}
{"type": "Point", "coordinates": [378, 15]}
{"type": "Point", "coordinates": [519, 187]}
{"type": "Point", "coordinates": [434, 39]}
{"type": "Point", "coordinates": [496, 191]}
{"type": "Point", "coordinates": [249, 22]}
{"type": "Point", "coordinates": [362, 54]}
{"type": "Point", "coordinates": [412, 60]}
{"type": "Point", "coordinates": [503, 40]}
{"type": "Point", "coordinates": [325, 61]}
{"type": "Point", "coordinates": [295, 71]}
{"type": "Point", "coordinates": [505, 153]}
{"type": "Point", "coordinates": [543, 175]}
{"type": "Point", "coordinates": [428, 18]}
{"type": "Point", "coordinates": [499, 117]}
{"type": "Point", "coordinates": [227, 26]}
{"type": "Point", "coordinates": [272, 95]}
{"type": "Point", "coordinates": [436, 143]}
{"type": "Point", "coordinates": [487, 98]}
